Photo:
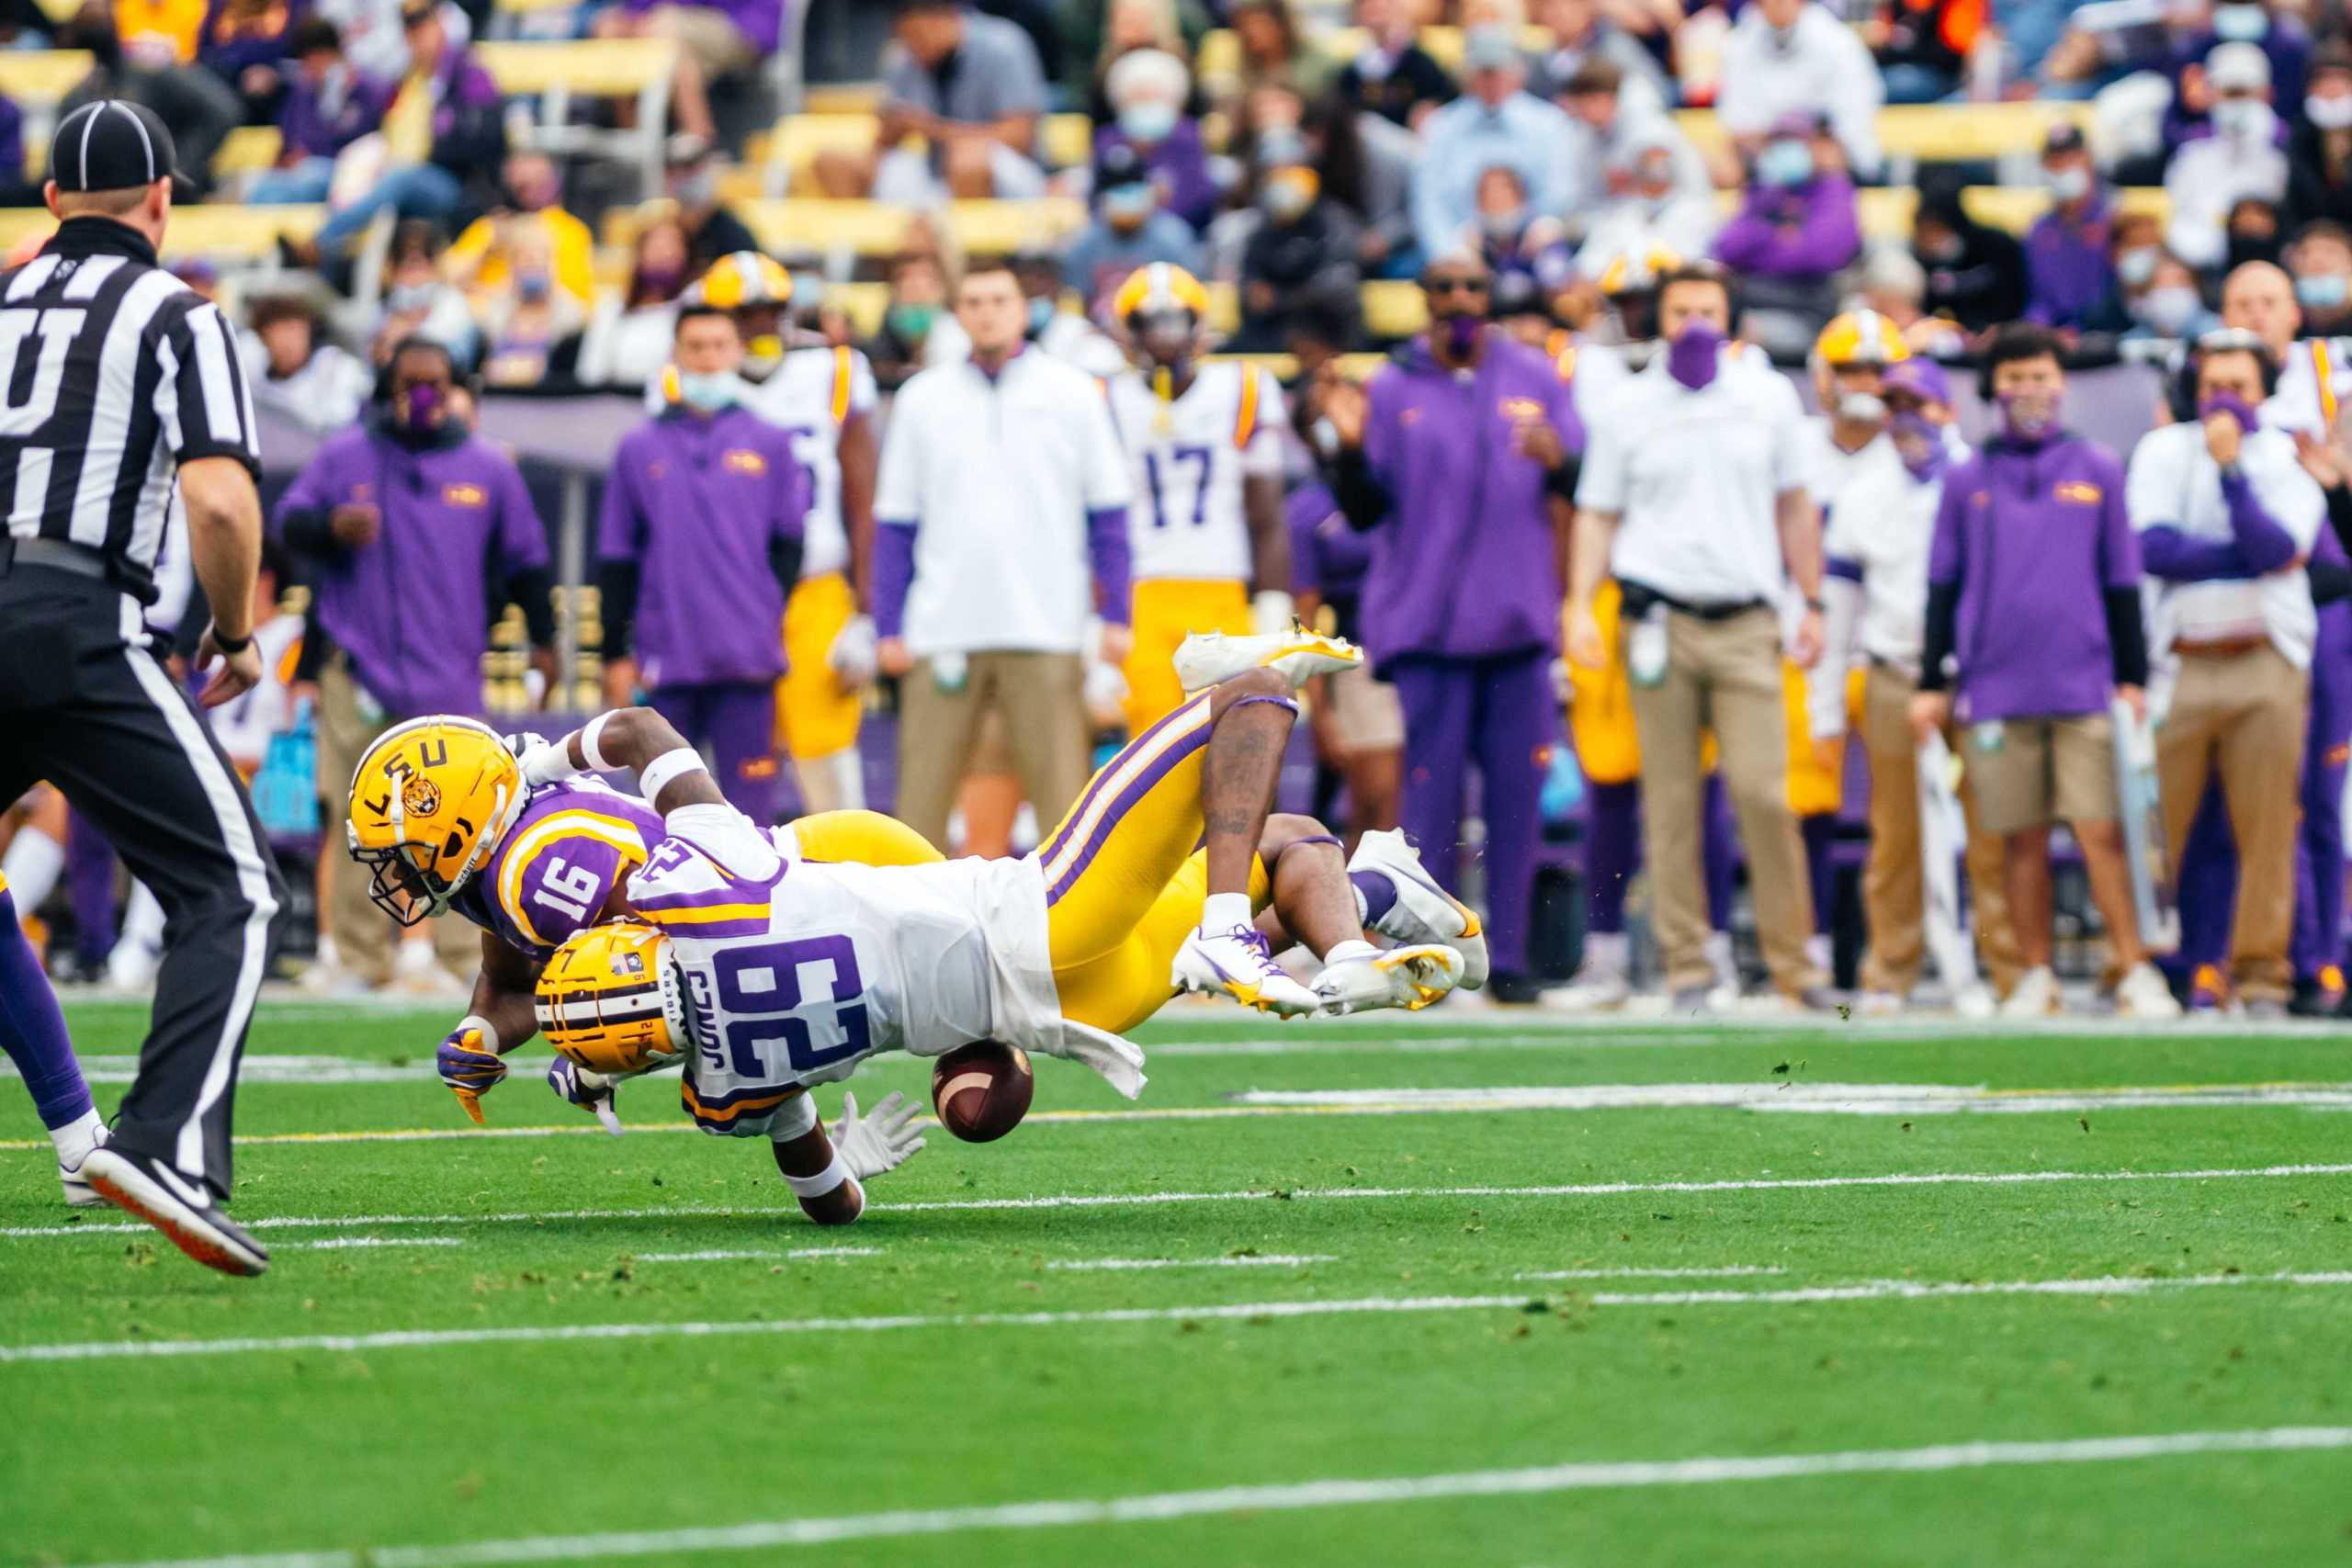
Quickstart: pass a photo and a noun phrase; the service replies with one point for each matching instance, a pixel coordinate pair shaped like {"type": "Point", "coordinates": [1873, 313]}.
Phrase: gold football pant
{"type": "Point", "coordinates": [1167, 611]}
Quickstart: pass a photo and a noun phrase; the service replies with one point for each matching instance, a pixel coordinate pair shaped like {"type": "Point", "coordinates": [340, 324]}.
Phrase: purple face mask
{"type": "Point", "coordinates": [2028, 416]}
{"type": "Point", "coordinates": [421, 410]}
{"type": "Point", "coordinates": [1695, 354]}
{"type": "Point", "coordinates": [2249, 420]}
{"type": "Point", "coordinates": [1919, 443]}
{"type": "Point", "coordinates": [1462, 334]}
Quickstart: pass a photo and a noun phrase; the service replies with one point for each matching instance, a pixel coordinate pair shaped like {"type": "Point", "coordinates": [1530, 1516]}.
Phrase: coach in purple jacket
{"type": "Point", "coordinates": [700, 545]}
{"type": "Point", "coordinates": [1461, 454]}
{"type": "Point", "coordinates": [2034, 613]}
{"type": "Point", "coordinates": [415, 533]}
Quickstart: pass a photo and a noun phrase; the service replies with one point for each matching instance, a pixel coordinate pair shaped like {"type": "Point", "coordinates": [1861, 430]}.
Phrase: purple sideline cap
{"type": "Point", "coordinates": [1920, 377]}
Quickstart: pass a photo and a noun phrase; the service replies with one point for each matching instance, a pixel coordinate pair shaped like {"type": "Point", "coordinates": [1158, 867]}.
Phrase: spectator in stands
{"type": "Point", "coordinates": [1785, 55]}
{"type": "Point", "coordinates": [917, 297]}
{"type": "Point", "coordinates": [443, 132]}
{"type": "Point", "coordinates": [1301, 253]}
{"type": "Point", "coordinates": [146, 52]}
{"type": "Point", "coordinates": [1976, 273]}
{"type": "Point", "coordinates": [988, 526]}
{"type": "Point", "coordinates": [293, 372]}
{"type": "Point", "coordinates": [1653, 201]}
{"type": "Point", "coordinates": [323, 112]}
{"type": "Point", "coordinates": [1147, 89]}
{"type": "Point", "coordinates": [1526, 252]}
{"type": "Point", "coordinates": [1393, 76]}
{"type": "Point", "coordinates": [2319, 150]}
{"type": "Point", "coordinates": [722, 38]}
{"type": "Point", "coordinates": [1616, 124]}
{"type": "Point", "coordinates": [2321, 263]}
{"type": "Point", "coordinates": [629, 340]}
{"type": "Point", "coordinates": [2034, 613]}
{"type": "Point", "coordinates": [2070, 275]}
{"type": "Point", "coordinates": [530, 209]}
{"type": "Point", "coordinates": [1366, 167]}
{"type": "Point", "coordinates": [419, 302]}
{"type": "Point", "coordinates": [1496, 121]}
{"type": "Point", "coordinates": [2171, 306]}
{"type": "Point", "coordinates": [2253, 234]}
{"type": "Point", "coordinates": [1798, 226]}
{"type": "Point", "coordinates": [1140, 24]}
{"type": "Point", "coordinates": [413, 530]}
{"type": "Point", "coordinates": [16, 189]}
{"type": "Point", "coordinates": [1892, 282]}
{"type": "Point", "coordinates": [530, 322]}
{"type": "Point", "coordinates": [971, 87]}
{"type": "Point", "coordinates": [2281, 40]}
{"type": "Point", "coordinates": [373, 39]}
{"type": "Point", "coordinates": [1922, 46]}
{"type": "Point", "coordinates": [1129, 229]}
{"type": "Point", "coordinates": [1273, 48]}
{"type": "Point", "coordinates": [692, 181]}
{"type": "Point", "coordinates": [246, 44]}
{"type": "Point", "coordinates": [1581, 35]}
{"type": "Point", "coordinates": [2241, 157]}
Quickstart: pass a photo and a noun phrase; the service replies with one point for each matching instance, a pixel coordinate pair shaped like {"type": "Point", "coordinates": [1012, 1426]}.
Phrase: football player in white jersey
{"type": "Point", "coordinates": [763, 977]}
{"type": "Point", "coordinates": [1204, 441]}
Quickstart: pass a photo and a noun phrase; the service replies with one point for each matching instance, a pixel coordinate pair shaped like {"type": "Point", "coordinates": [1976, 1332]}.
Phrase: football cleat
{"type": "Point", "coordinates": [2142, 993]}
{"type": "Point", "coordinates": [1238, 964]}
{"type": "Point", "coordinates": [75, 1180]}
{"type": "Point", "coordinates": [1360, 977]}
{"type": "Point", "coordinates": [1423, 912]}
{"type": "Point", "coordinates": [182, 1210]}
{"type": "Point", "coordinates": [1207, 657]}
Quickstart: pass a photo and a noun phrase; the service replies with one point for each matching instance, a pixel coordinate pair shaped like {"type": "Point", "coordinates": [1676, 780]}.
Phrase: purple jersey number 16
{"type": "Point", "coordinates": [759, 995]}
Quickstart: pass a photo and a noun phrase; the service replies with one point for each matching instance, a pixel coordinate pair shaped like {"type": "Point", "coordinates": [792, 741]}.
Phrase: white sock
{"type": "Point", "coordinates": [1221, 912]}
{"type": "Point", "coordinates": [1606, 956]}
{"type": "Point", "coordinates": [1354, 948]}
{"type": "Point", "coordinates": [76, 1139]}
{"type": "Point", "coordinates": [32, 865]}
{"type": "Point", "coordinates": [1363, 908]}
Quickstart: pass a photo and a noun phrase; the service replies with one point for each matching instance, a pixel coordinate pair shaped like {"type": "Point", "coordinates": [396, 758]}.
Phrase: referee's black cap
{"type": "Point", "coordinates": [112, 144]}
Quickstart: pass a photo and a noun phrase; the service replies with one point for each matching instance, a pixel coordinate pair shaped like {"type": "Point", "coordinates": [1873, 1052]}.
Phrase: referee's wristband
{"type": "Point", "coordinates": [228, 644]}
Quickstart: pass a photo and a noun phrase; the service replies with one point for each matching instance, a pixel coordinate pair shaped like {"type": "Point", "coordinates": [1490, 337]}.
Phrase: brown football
{"type": "Point", "coordinates": [981, 1091]}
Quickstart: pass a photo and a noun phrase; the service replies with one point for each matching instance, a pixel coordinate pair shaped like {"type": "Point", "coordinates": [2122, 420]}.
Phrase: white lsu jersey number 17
{"type": "Point", "coordinates": [1191, 455]}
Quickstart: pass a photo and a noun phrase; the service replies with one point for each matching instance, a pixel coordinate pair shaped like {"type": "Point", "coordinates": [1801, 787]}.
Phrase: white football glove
{"type": "Point", "coordinates": [884, 1140]}
{"type": "Point", "coordinates": [854, 655]}
{"type": "Point", "coordinates": [1104, 693]}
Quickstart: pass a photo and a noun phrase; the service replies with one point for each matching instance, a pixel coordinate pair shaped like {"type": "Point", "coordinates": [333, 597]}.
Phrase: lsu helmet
{"type": "Point", "coordinates": [1161, 285]}
{"type": "Point", "coordinates": [1859, 337]}
{"type": "Point", "coordinates": [1636, 269]}
{"type": "Point", "coordinates": [741, 280]}
{"type": "Point", "coordinates": [430, 801]}
{"type": "Point", "coordinates": [609, 999]}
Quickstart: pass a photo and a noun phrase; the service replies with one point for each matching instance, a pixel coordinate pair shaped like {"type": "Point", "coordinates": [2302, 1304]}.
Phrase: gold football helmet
{"type": "Point", "coordinates": [609, 999]}
{"type": "Point", "coordinates": [1860, 337]}
{"type": "Point", "coordinates": [1162, 286]}
{"type": "Point", "coordinates": [430, 801]}
{"type": "Point", "coordinates": [743, 279]}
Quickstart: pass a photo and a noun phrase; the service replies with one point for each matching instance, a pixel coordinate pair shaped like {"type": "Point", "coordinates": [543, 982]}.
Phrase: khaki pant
{"type": "Point", "coordinates": [1040, 696]}
{"type": "Point", "coordinates": [1723, 676]}
{"type": "Point", "coordinates": [363, 933]}
{"type": "Point", "coordinates": [1893, 889]}
{"type": "Point", "coordinates": [2240, 717]}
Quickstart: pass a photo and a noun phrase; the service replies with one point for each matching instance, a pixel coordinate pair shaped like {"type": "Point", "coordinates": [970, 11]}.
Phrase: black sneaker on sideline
{"type": "Point", "coordinates": [182, 1210]}
{"type": "Point", "coordinates": [1515, 990]}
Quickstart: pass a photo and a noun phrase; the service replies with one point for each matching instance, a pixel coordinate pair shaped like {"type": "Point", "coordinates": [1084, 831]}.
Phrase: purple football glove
{"type": "Point", "coordinates": [592, 1091]}
{"type": "Point", "coordinates": [469, 1067]}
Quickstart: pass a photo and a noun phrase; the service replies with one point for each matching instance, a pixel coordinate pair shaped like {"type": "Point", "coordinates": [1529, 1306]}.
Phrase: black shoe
{"type": "Point", "coordinates": [1514, 990]}
{"type": "Point", "coordinates": [181, 1209]}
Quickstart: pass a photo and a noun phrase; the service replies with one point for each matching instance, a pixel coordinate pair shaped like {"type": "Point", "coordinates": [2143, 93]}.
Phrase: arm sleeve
{"type": "Point", "coordinates": [2166, 553]}
{"type": "Point", "coordinates": [2339, 514]}
{"type": "Point", "coordinates": [522, 538]}
{"type": "Point", "coordinates": [894, 575]}
{"type": "Point", "coordinates": [201, 399]}
{"type": "Point", "coordinates": [2264, 542]}
{"type": "Point", "coordinates": [1947, 562]}
{"type": "Point", "coordinates": [2119, 546]}
{"type": "Point", "coordinates": [1362, 500]}
{"type": "Point", "coordinates": [1936, 648]}
{"type": "Point", "coordinates": [300, 519]}
{"type": "Point", "coordinates": [2127, 636]}
{"type": "Point", "coordinates": [620, 525]}
{"type": "Point", "coordinates": [1106, 551]}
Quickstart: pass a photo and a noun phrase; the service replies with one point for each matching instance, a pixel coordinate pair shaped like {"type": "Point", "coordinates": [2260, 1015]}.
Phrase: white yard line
{"type": "Point", "coordinates": [1285, 1497]}
{"type": "Point", "coordinates": [348, 1241]}
{"type": "Point", "coordinates": [1245, 1260]}
{"type": "Point", "coordinates": [1124, 1199]}
{"type": "Point", "coordinates": [436, 1338]}
{"type": "Point", "coordinates": [1834, 1099]}
{"type": "Point", "coordinates": [1736, 1271]}
{"type": "Point", "coordinates": [725, 1255]}
{"type": "Point", "coordinates": [260, 1067]}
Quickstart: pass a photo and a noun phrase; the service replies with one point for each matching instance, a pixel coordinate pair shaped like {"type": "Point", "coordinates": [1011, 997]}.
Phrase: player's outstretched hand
{"type": "Point", "coordinates": [469, 1067]}
{"type": "Point", "coordinates": [590, 1091]}
{"type": "Point", "coordinates": [884, 1140]}
{"type": "Point", "coordinates": [240, 672]}
{"type": "Point", "coordinates": [856, 654]}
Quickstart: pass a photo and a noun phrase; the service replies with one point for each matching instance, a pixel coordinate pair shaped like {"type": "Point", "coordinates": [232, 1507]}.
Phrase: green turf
{"type": "Point", "coordinates": [319, 1447]}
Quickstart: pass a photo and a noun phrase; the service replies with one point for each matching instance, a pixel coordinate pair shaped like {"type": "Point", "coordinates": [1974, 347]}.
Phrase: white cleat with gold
{"type": "Point", "coordinates": [1207, 657]}
{"type": "Point", "coordinates": [1423, 911]}
{"type": "Point", "coordinates": [1360, 977]}
{"type": "Point", "coordinates": [1239, 965]}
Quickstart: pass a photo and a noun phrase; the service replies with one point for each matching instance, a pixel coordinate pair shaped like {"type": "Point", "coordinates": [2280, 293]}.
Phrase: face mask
{"type": "Point", "coordinates": [2245, 119]}
{"type": "Point", "coordinates": [402, 297]}
{"type": "Point", "coordinates": [1862, 408]}
{"type": "Point", "coordinates": [1041, 313]}
{"type": "Point", "coordinates": [2323, 290]}
{"type": "Point", "coordinates": [1503, 227]}
{"type": "Point", "coordinates": [2135, 268]}
{"type": "Point", "coordinates": [2329, 114]}
{"type": "Point", "coordinates": [1147, 122]}
{"type": "Point", "coordinates": [2070, 184]}
{"type": "Point", "coordinates": [1784, 164]}
{"type": "Point", "coordinates": [1696, 354]}
{"type": "Point", "coordinates": [1284, 199]}
{"type": "Point", "coordinates": [1919, 443]}
{"type": "Point", "coordinates": [2235, 406]}
{"type": "Point", "coordinates": [2168, 311]}
{"type": "Point", "coordinates": [1126, 207]}
{"type": "Point", "coordinates": [531, 287]}
{"type": "Point", "coordinates": [912, 322]}
{"type": "Point", "coordinates": [706, 390]}
{"type": "Point", "coordinates": [2028, 416]}
{"type": "Point", "coordinates": [1462, 334]}
{"type": "Point", "coordinates": [420, 412]}
{"type": "Point", "coordinates": [661, 280]}
{"type": "Point", "coordinates": [2240, 24]}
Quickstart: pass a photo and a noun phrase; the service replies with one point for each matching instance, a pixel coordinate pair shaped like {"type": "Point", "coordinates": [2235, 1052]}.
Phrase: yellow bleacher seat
{"type": "Point", "coordinates": [525, 7]}
{"type": "Point", "coordinates": [842, 97]}
{"type": "Point", "coordinates": [599, 68]}
{"type": "Point", "coordinates": [42, 75]}
{"type": "Point", "coordinates": [872, 229]}
{"type": "Point", "coordinates": [1225, 309]}
{"type": "Point", "coordinates": [1887, 211]}
{"type": "Point", "coordinates": [1934, 134]}
{"type": "Point", "coordinates": [1067, 141]}
{"type": "Point", "coordinates": [863, 303]}
{"type": "Point", "coordinates": [221, 232]}
{"type": "Point", "coordinates": [249, 150]}
{"type": "Point", "coordinates": [1393, 309]}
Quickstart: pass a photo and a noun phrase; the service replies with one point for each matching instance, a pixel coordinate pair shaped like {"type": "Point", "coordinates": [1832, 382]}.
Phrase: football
{"type": "Point", "coordinates": [981, 1091]}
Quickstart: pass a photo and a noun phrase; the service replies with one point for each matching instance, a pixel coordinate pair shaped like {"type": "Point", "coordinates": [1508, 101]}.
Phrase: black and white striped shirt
{"type": "Point", "coordinates": [112, 374]}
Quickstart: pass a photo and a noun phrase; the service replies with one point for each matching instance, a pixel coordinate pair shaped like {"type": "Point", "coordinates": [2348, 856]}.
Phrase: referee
{"type": "Point", "coordinates": [119, 386]}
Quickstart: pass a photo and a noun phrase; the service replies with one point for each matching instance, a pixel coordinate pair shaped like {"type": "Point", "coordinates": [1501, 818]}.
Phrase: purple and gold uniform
{"type": "Point", "coordinates": [553, 871]}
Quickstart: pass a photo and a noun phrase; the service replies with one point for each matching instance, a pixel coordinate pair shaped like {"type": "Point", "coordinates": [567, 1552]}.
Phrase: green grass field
{"type": "Point", "coordinates": [1472, 1289]}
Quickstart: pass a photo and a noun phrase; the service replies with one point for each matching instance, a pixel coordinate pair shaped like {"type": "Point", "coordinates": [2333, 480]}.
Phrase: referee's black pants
{"type": "Point", "coordinates": [85, 704]}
